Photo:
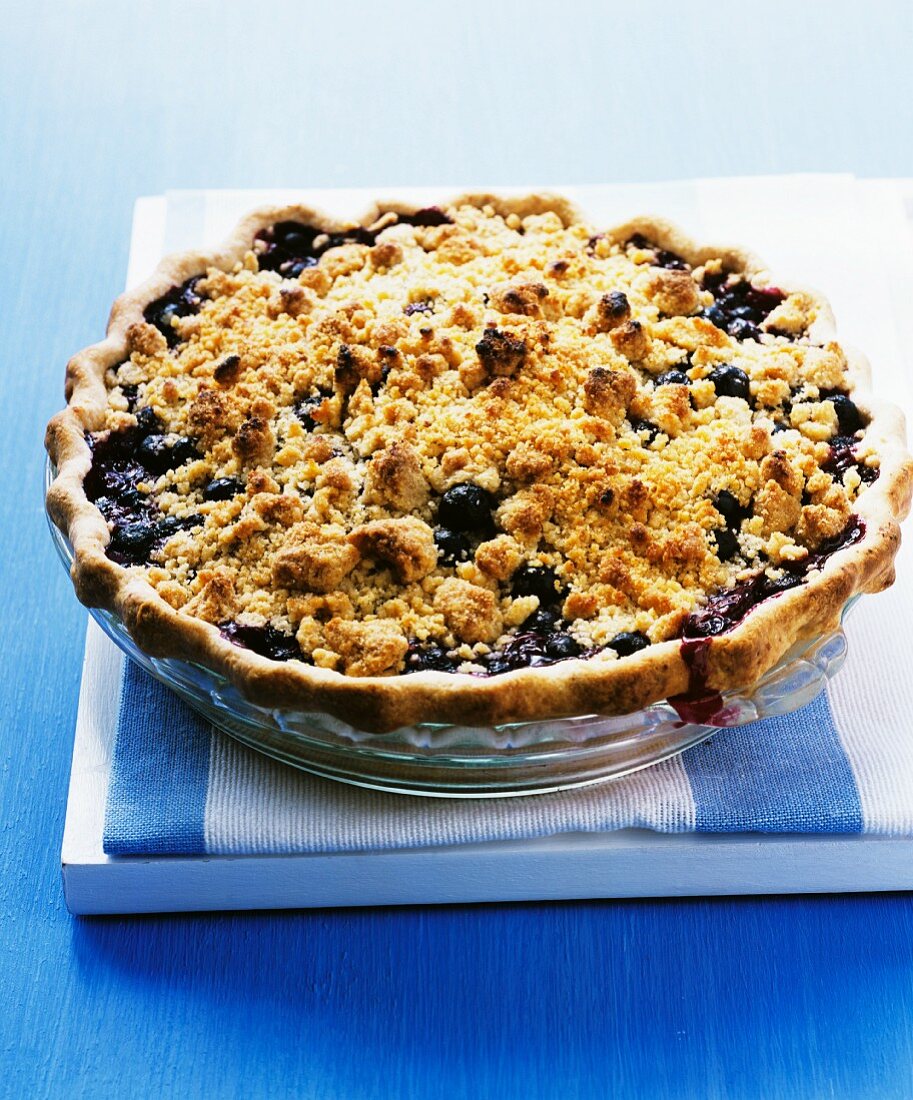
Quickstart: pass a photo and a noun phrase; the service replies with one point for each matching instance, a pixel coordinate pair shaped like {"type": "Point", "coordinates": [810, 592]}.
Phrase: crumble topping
{"type": "Point", "coordinates": [460, 441]}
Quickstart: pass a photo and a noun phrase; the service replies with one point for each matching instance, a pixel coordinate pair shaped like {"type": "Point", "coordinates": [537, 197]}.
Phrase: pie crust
{"type": "Point", "coordinates": [689, 666]}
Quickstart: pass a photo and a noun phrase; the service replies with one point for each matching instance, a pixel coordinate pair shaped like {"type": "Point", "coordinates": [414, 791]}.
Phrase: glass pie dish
{"type": "Point", "coordinates": [469, 761]}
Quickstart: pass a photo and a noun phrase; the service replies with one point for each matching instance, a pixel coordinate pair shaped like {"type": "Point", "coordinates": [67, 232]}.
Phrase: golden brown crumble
{"type": "Point", "coordinates": [525, 358]}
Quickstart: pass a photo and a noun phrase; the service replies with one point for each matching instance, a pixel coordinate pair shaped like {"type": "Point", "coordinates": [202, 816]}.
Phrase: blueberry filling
{"type": "Point", "coordinates": [849, 418]}
{"type": "Point", "coordinates": [729, 381]}
{"type": "Point", "coordinates": [159, 455]}
{"type": "Point", "coordinates": [452, 546]}
{"type": "Point", "coordinates": [291, 247]}
{"type": "Point", "coordinates": [132, 542]}
{"type": "Point", "coordinates": [673, 378]}
{"type": "Point", "coordinates": [639, 426]}
{"type": "Point", "coordinates": [530, 649]}
{"type": "Point", "coordinates": [842, 457]}
{"type": "Point", "coordinates": [265, 640]}
{"type": "Point", "coordinates": [223, 488]}
{"type": "Point", "coordinates": [730, 509]}
{"type": "Point", "coordinates": [542, 621]}
{"type": "Point", "coordinates": [538, 580]}
{"type": "Point", "coordinates": [120, 462]}
{"type": "Point", "coordinates": [466, 507]}
{"type": "Point", "coordinates": [662, 257]}
{"type": "Point", "coordinates": [429, 657]}
{"type": "Point", "coordinates": [305, 407]}
{"type": "Point", "coordinates": [180, 301]}
{"type": "Point", "coordinates": [628, 642]}
{"type": "Point", "coordinates": [561, 647]}
{"type": "Point", "coordinates": [739, 308]}
{"type": "Point", "coordinates": [727, 545]}
{"type": "Point", "coordinates": [724, 609]}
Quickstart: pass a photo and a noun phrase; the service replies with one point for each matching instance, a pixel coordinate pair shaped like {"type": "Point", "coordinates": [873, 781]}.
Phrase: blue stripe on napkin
{"type": "Point", "coordinates": [783, 775]}
{"type": "Point", "coordinates": [159, 773]}
{"type": "Point", "coordinates": [787, 774]}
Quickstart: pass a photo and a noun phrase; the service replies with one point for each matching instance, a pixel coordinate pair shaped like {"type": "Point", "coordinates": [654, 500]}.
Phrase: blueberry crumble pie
{"type": "Point", "coordinates": [474, 463]}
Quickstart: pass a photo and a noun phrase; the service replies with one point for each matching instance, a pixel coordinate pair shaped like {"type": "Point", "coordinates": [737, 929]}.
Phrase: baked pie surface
{"type": "Point", "coordinates": [474, 463]}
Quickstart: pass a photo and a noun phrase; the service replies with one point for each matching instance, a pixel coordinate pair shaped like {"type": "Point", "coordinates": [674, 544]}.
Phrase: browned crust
{"type": "Point", "coordinates": [568, 688]}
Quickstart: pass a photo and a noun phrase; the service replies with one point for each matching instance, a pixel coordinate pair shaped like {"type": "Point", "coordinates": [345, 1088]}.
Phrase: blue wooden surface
{"type": "Point", "coordinates": [100, 102]}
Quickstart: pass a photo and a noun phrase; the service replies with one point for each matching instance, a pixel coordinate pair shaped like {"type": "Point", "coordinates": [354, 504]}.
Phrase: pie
{"type": "Point", "coordinates": [474, 463]}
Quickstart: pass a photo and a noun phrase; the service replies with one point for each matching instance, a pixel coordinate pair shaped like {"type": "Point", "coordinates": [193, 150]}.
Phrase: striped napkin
{"type": "Point", "coordinates": [842, 764]}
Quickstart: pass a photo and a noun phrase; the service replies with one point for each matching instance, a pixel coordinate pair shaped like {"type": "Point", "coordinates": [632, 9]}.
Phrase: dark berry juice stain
{"type": "Point", "coordinates": [739, 308]}
{"type": "Point", "coordinates": [726, 609]}
{"type": "Point", "coordinates": [265, 640]}
{"type": "Point", "coordinates": [291, 247]}
{"type": "Point", "coordinates": [530, 649]}
{"type": "Point", "coordinates": [120, 462]}
{"type": "Point", "coordinates": [662, 257]}
{"type": "Point", "coordinates": [697, 705]}
{"type": "Point", "coordinates": [842, 457]}
{"type": "Point", "coordinates": [180, 301]}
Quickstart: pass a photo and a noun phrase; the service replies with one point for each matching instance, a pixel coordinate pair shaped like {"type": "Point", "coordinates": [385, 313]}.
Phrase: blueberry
{"type": "Point", "coordinates": [452, 546]}
{"type": "Point", "coordinates": [428, 658]}
{"type": "Point", "coordinates": [849, 419]}
{"type": "Point", "coordinates": [638, 426]}
{"type": "Point", "coordinates": [716, 316]}
{"type": "Point", "coordinates": [537, 580]}
{"type": "Point", "coordinates": [466, 507]}
{"type": "Point", "coordinates": [180, 301]}
{"type": "Point", "coordinates": [628, 642]}
{"type": "Point", "coordinates": [265, 640]}
{"type": "Point", "coordinates": [673, 378]}
{"type": "Point", "coordinates": [223, 488]}
{"type": "Point", "coordinates": [182, 450]}
{"type": "Point", "coordinates": [296, 242]}
{"type": "Point", "coordinates": [132, 541]}
{"type": "Point", "coordinates": [729, 381]}
{"type": "Point", "coordinates": [153, 451]}
{"type": "Point", "coordinates": [170, 525]}
{"type": "Point", "coordinates": [304, 408]}
{"type": "Point", "coordinates": [495, 666]}
{"type": "Point", "coordinates": [158, 455]}
{"type": "Point", "coordinates": [727, 545]}
{"type": "Point", "coordinates": [542, 621]}
{"type": "Point", "coordinates": [729, 508]}
{"type": "Point", "coordinates": [740, 329]}
{"type": "Point", "coordinates": [146, 421]}
{"type": "Point", "coordinates": [561, 647]}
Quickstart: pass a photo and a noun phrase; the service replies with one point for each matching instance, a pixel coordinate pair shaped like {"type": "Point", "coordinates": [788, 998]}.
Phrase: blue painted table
{"type": "Point", "coordinates": [101, 102]}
